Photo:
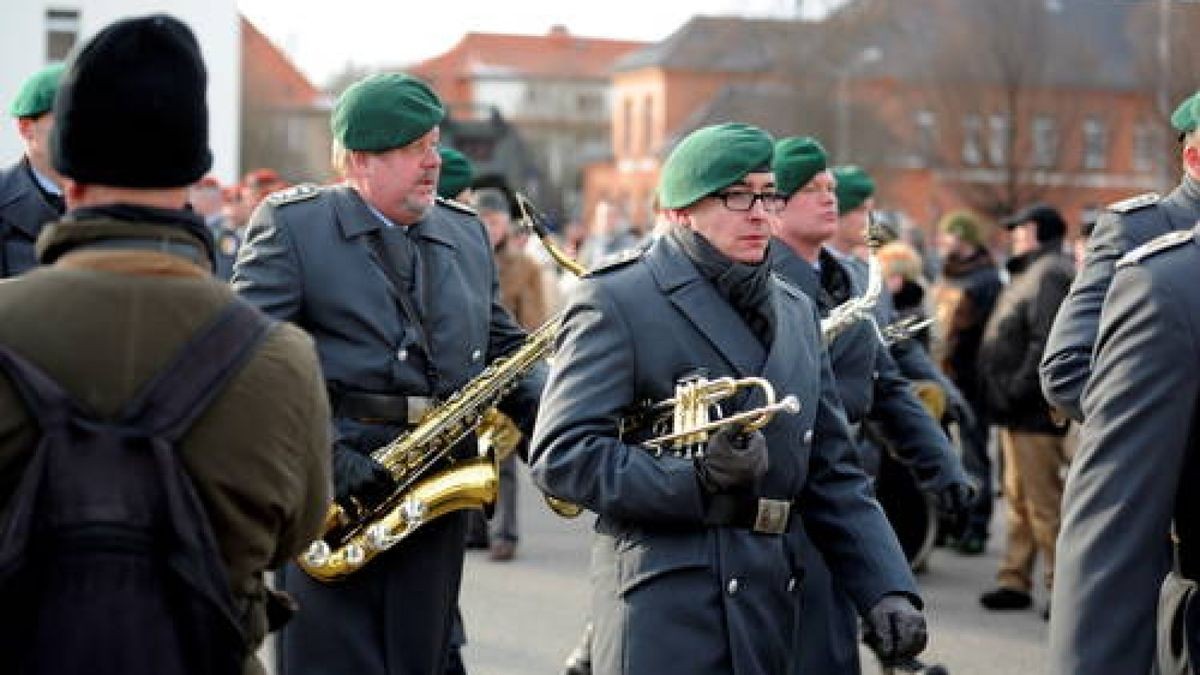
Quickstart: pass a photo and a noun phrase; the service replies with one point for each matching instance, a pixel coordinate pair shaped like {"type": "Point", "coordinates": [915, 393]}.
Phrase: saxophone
{"type": "Point", "coordinates": [859, 308]}
{"type": "Point", "coordinates": [430, 482]}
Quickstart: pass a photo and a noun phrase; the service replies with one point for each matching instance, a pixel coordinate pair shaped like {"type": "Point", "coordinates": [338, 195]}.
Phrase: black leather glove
{"type": "Point", "coordinates": [895, 629]}
{"type": "Point", "coordinates": [732, 459]}
{"type": "Point", "coordinates": [359, 480]}
{"type": "Point", "coordinates": [955, 499]}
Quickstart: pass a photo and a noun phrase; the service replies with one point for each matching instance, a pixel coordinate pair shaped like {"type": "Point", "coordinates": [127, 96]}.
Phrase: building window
{"type": "Point", "coordinates": [1045, 142]}
{"type": "Point", "coordinates": [972, 154]}
{"type": "Point", "coordinates": [627, 126]}
{"type": "Point", "coordinates": [1095, 144]}
{"type": "Point", "coordinates": [62, 32]}
{"type": "Point", "coordinates": [1146, 143]}
{"type": "Point", "coordinates": [998, 140]}
{"type": "Point", "coordinates": [925, 127]}
{"type": "Point", "coordinates": [647, 125]}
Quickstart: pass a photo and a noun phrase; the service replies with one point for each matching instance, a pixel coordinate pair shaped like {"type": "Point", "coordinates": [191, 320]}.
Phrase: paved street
{"type": "Point", "coordinates": [524, 616]}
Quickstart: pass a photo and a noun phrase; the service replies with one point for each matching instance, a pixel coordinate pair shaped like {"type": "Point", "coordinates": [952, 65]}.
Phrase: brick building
{"type": "Point", "coordinates": [554, 89]}
{"type": "Point", "coordinates": [285, 119]}
{"type": "Point", "coordinates": [948, 103]}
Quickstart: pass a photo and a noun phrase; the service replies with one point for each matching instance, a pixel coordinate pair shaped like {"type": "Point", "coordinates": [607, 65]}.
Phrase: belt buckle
{"type": "Point", "coordinates": [772, 516]}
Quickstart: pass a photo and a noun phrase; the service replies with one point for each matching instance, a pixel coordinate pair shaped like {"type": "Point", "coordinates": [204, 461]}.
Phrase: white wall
{"type": "Point", "coordinates": [215, 22]}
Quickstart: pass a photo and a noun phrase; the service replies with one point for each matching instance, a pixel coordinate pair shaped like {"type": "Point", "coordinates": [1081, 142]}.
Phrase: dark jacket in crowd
{"type": "Point", "coordinates": [1015, 338]}
{"type": "Point", "coordinates": [964, 299]}
{"type": "Point", "coordinates": [24, 208]}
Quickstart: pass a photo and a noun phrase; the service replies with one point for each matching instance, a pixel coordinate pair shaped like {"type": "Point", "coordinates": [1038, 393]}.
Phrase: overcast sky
{"type": "Point", "coordinates": [321, 37]}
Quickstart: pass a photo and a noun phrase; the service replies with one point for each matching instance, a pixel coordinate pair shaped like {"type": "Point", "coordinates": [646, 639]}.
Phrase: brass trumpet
{"type": "Point", "coordinates": [689, 412]}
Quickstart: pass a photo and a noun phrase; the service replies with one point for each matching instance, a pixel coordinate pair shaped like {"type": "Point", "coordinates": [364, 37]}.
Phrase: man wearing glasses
{"type": "Point", "coordinates": [869, 383]}
{"type": "Point", "coordinates": [694, 569]}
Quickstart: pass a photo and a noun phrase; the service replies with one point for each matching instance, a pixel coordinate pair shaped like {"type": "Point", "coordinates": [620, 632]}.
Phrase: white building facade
{"type": "Point", "coordinates": [39, 32]}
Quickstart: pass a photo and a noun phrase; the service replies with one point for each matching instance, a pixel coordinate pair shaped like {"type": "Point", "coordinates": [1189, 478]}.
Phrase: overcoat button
{"type": "Point", "coordinates": [402, 354]}
{"type": "Point", "coordinates": [808, 436]}
{"type": "Point", "coordinates": [732, 588]}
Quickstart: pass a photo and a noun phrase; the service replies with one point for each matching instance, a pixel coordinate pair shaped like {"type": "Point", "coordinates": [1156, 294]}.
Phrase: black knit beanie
{"type": "Point", "coordinates": [131, 108]}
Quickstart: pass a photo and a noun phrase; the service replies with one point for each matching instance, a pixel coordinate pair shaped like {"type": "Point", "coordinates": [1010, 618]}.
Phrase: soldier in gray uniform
{"type": "Point", "coordinates": [31, 192]}
{"type": "Point", "coordinates": [1067, 362]}
{"type": "Point", "coordinates": [869, 383]}
{"type": "Point", "coordinates": [1134, 474]}
{"type": "Point", "coordinates": [399, 290]}
{"type": "Point", "coordinates": [695, 567]}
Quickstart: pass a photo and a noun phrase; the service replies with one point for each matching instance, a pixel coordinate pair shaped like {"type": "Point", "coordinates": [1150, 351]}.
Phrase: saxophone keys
{"type": "Point", "coordinates": [317, 554]}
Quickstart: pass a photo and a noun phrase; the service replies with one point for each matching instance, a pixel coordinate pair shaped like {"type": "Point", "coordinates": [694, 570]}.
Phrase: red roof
{"type": "Point", "coordinates": [269, 78]}
{"type": "Point", "coordinates": [558, 54]}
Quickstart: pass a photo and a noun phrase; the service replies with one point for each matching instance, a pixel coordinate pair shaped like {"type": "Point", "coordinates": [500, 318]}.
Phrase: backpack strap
{"type": "Point", "coordinates": [172, 400]}
{"type": "Point", "coordinates": [47, 403]}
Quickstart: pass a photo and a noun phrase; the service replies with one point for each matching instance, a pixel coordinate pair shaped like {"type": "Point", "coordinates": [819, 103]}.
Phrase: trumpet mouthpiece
{"type": "Point", "coordinates": [790, 404]}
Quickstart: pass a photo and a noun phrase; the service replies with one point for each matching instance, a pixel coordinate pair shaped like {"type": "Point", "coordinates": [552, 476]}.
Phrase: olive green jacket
{"type": "Point", "coordinates": [102, 322]}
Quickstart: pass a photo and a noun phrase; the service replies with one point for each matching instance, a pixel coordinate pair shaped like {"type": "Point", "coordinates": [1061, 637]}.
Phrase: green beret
{"type": "Point", "coordinates": [37, 94]}
{"type": "Point", "coordinates": [456, 174]}
{"type": "Point", "coordinates": [854, 187]}
{"type": "Point", "coordinates": [385, 111]}
{"type": "Point", "coordinates": [963, 225]}
{"type": "Point", "coordinates": [797, 160]}
{"type": "Point", "coordinates": [709, 159]}
{"type": "Point", "coordinates": [1187, 115]}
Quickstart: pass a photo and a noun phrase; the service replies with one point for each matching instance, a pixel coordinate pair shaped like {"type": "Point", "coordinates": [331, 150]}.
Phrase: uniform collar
{"type": "Point", "coordinates": [356, 217]}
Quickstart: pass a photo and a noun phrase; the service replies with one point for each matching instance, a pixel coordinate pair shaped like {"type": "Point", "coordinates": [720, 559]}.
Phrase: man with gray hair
{"type": "Point", "coordinates": [399, 289]}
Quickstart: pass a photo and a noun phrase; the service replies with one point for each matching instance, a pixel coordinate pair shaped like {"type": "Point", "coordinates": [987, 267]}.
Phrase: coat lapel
{"type": "Point", "coordinates": [699, 301]}
{"type": "Point", "coordinates": [789, 302]}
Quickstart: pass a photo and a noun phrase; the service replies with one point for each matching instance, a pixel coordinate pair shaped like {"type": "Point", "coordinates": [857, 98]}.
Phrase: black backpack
{"type": "Point", "coordinates": [107, 560]}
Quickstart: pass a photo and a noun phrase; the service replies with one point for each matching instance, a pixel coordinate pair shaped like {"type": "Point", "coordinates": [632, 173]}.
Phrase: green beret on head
{"type": "Point", "coordinates": [797, 160]}
{"type": "Point", "coordinates": [963, 225]}
{"type": "Point", "coordinates": [854, 187]}
{"type": "Point", "coordinates": [1187, 116]}
{"type": "Point", "coordinates": [385, 111]}
{"type": "Point", "coordinates": [37, 94]}
{"type": "Point", "coordinates": [456, 174]}
{"type": "Point", "coordinates": [709, 159]}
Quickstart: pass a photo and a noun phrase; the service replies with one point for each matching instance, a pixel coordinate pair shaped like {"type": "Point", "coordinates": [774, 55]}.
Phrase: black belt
{"type": "Point", "coordinates": [762, 515]}
{"type": "Point", "coordinates": [379, 408]}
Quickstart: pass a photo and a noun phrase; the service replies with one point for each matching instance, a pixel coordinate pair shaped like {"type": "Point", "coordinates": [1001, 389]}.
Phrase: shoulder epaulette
{"type": "Point", "coordinates": [616, 261]}
{"type": "Point", "coordinates": [457, 206]}
{"type": "Point", "coordinates": [1157, 245]}
{"type": "Point", "coordinates": [787, 286]}
{"type": "Point", "coordinates": [1134, 203]}
{"type": "Point", "coordinates": [296, 193]}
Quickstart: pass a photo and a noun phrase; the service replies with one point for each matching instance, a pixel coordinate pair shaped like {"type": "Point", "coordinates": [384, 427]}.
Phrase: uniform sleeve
{"type": "Point", "coordinates": [1067, 362]}
{"type": "Point", "coordinates": [918, 438]}
{"type": "Point", "coordinates": [1120, 492]}
{"type": "Point", "coordinates": [576, 453]}
{"type": "Point", "coordinates": [842, 517]}
{"type": "Point", "coordinates": [267, 272]}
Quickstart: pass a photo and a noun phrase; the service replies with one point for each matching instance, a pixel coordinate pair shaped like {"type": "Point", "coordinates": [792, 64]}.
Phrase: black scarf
{"type": "Point", "coordinates": [746, 287]}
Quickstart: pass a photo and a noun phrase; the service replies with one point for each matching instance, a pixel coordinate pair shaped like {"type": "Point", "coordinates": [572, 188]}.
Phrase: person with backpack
{"type": "Point", "coordinates": [162, 443]}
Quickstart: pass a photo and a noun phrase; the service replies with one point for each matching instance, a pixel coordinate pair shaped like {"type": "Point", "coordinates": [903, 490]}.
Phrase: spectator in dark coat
{"type": "Point", "coordinates": [1032, 442]}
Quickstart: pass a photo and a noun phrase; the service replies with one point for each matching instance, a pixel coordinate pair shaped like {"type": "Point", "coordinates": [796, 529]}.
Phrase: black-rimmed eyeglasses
{"type": "Point", "coordinates": [742, 201]}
